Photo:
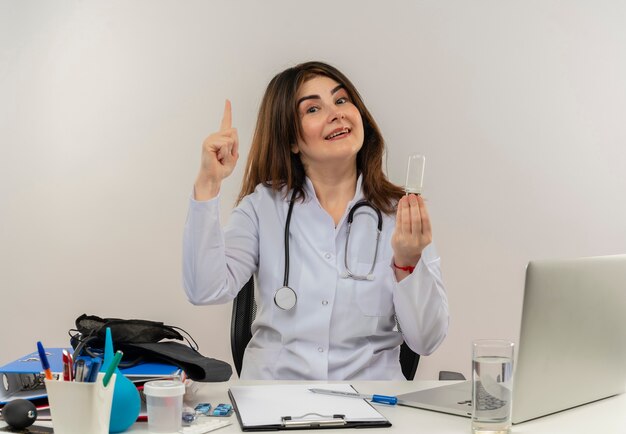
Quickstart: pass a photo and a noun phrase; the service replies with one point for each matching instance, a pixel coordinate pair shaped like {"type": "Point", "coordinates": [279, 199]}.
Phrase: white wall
{"type": "Point", "coordinates": [520, 108]}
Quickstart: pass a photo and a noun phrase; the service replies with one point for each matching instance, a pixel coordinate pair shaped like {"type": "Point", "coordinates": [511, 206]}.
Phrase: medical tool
{"type": "Point", "coordinates": [370, 274]}
{"type": "Point", "coordinates": [285, 297]}
{"type": "Point", "coordinates": [19, 414]}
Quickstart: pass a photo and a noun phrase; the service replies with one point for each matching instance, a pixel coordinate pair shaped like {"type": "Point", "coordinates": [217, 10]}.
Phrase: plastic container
{"type": "Point", "coordinates": [164, 399]}
{"type": "Point", "coordinates": [80, 408]}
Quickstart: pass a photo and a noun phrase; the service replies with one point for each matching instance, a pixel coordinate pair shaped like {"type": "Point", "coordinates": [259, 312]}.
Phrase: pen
{"type": "Point", "coordinates": [382, 399]}
{"type": "Point", "coordinates": [70, 357]}
{"type": "Point", "coordinates": [67, 370]}
{"type": "Point", "coordinates": [94, 367]}
{"type": "Point", "coordinates": [44, 361]}
{"type": "Point", "coordinates": [111, 368]}
{"type": "Point", "coordinates": [80, 370]}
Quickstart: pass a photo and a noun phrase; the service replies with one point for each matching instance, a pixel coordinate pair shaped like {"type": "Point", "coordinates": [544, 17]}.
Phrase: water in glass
{"type": "Point", "coordinates": [491, 393]}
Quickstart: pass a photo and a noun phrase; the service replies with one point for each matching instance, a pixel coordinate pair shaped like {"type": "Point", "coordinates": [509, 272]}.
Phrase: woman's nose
{"type": "Point", "coordinates": [337, 115]}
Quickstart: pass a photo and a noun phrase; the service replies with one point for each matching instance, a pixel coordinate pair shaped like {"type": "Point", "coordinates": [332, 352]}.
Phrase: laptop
{"type": "Point", "coordinates": [572, 346]}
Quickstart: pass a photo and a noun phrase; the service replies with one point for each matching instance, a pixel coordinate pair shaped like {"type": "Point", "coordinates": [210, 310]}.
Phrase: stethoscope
{"type": "Point", "coordinates": [285, 297]}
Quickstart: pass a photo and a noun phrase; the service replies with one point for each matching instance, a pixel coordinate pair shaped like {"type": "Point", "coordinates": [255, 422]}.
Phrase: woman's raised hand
{"type": "Point", "coordinates": [219, 156]}
{"type": "Point", "coordinates": [412, 232]}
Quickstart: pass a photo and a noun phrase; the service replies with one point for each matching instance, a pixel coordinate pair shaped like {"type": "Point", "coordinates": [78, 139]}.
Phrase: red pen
{"type": "Point", "coordinates": [67, 366]}
{"type": "Point", "coordinates": [71, 356]}
{"type": "Point", "coordinates": [67, 372]}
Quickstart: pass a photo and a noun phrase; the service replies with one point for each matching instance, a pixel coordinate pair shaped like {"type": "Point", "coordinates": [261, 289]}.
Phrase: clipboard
{"type": "Point", "coordinates": [293, 406]}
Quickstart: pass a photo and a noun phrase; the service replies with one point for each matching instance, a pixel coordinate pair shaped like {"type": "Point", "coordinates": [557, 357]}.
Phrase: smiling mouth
{"type": "Point", "coordinates": [338, 133]}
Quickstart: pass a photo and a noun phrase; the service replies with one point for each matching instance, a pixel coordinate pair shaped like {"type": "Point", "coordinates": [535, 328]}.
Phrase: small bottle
{"type": "Point", "coordinates": [415, 174]}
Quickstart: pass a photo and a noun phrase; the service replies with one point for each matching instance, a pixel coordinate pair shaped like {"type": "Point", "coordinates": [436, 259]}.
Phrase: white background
{"type": "Point", "coordinates": [520, 108]}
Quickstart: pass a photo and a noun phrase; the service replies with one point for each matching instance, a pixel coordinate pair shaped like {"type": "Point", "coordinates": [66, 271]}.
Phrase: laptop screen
{"type": "Point", "coordinates": [572, 347]}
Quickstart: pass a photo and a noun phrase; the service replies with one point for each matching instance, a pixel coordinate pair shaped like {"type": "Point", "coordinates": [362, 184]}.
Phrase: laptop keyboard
{"type": "Point", "coordinates": [487, 401]}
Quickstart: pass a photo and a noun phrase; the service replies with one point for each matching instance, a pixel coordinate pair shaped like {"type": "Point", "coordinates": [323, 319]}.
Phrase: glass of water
{"type": "Point", "coordinates": [492, 386]}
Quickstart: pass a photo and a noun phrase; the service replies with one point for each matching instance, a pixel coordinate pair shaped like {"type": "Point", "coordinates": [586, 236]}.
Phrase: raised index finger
{"type": "Point", "coordinates": [227, 118]}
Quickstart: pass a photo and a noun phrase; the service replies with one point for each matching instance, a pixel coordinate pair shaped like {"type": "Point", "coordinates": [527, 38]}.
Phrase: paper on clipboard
{"type": "Point", "coordinates": [261, 406]}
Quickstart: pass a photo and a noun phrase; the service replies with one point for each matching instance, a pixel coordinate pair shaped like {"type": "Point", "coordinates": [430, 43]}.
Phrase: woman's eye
{"type": "Point", "coordinates": [342, 100]}
{"type": "Point", "coordinates": [312, 109]}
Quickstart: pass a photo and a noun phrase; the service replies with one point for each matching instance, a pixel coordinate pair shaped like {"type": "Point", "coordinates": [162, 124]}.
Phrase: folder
{"type": "Point", "coordinates": [20, 377]}
{"type": "Point", "coordinates": [293, 406]}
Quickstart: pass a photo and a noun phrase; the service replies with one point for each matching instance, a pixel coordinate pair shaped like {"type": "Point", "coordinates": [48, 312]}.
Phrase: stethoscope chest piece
{"type": "Point", "coordinates": [285, 298]}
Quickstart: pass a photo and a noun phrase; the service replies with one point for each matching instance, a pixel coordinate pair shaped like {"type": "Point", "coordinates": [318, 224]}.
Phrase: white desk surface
{"type": "Point", "coordinates": [604, 416]}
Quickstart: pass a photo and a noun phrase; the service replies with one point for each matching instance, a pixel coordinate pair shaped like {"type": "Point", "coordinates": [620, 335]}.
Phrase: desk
{"type": "Point", "coordinates": [605, 416]}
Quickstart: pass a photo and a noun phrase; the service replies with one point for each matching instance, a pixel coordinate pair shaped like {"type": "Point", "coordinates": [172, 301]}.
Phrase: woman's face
{"type": "Point", "coordinates": [331, 125]}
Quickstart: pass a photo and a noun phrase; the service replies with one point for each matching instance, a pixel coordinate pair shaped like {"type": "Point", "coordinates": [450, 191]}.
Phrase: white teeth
{"type": "Point", "coordinates": [344, 131]}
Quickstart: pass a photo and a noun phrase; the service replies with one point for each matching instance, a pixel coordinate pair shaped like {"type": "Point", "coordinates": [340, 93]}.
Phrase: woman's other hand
{"type": "Point", "coordinates": [219, 156]}
{"type": "Point", "coordinates": [411, 234]}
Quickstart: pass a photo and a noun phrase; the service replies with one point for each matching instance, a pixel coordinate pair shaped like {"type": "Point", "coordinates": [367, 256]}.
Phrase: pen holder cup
{"type": "Point", "coordinates": [80, 408]}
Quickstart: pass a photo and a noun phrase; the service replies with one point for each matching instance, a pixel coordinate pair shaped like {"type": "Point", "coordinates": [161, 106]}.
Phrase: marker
{"type": "Point", "coordinates": [112, 367]}
{"type": "Point", "coordinates": [67, 368]}
{"type": "Point", "coordinates": [71, 361]}
{"type": "Point", "coordinates": [381, 399]}
{"type": "Point", "coordinates": [94, 368]}
{"type": "Point", "coordinates": [80, 370]}
{"type": "Point", "coordinates": [44, 361]}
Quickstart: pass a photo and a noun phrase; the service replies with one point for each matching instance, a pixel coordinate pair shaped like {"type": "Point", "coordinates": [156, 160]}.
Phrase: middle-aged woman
{"type": "Point", "coordinates": [316, 154]}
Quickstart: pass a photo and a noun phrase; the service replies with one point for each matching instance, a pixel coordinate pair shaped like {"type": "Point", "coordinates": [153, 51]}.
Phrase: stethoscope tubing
{"type": "Point", "coordinates": [285, 297]}
{"type": "Point", "coordinates": [370, 274]}
{"type": "Point", "coordinates": [287, 225]}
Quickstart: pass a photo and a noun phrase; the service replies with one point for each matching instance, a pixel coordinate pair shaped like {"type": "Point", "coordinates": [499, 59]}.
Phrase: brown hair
{"type": "Point", "coordinates": [271, 161]}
